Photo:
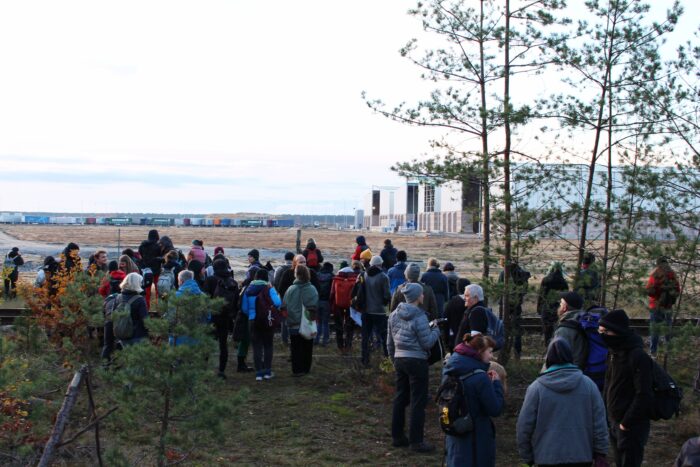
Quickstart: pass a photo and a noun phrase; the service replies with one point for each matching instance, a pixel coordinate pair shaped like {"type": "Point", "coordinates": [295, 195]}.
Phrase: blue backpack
{"type": "Point", "coordinates": [495, 329]}
{"type": "Point", "coordinates": [597, 352]}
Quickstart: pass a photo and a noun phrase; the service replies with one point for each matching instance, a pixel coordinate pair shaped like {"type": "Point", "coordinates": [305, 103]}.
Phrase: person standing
{"type": "Point", "coordinates": [150, 259]}
{"type": "Point", "coordinates": [568, 328]}
{"type": "Point", "coordinates": [261, 335]}
{"type": "Point", "coordinates": [10, 272]}
{"type": "Point", "coordinates": [361, 246]}
{"type": "Point", "coordinates": [438, 282]}
{"type": "Point", "coordinates": [97, 264]}
{"type": "Point", "coordinates": [325, 282]}
{"type": "Point", "coordinates": [483, 392]}
{"type": "Point", "coordinates": [389, 255]}
{"type": "Point", "coordinates": [452, 277]}
{"type": "Point", "coordinates": [475, 320]}
{"type": "Point", "coordinates": [518, 290]}
{"type": "Point", "coordinates": [562, 403]}
{"type": "Point", "coordinates": [340, 298]}
{"type": "Point", "coordinates": [548, 298]}
{"type": "Point", "coordinates": [429, 304]}
{"type": "Point", "coordinates": [374, 317]}
{"type": "Point", "coordinates": [663, 290]}
{"type": "Point", "coordinates": [313, 255]}
{"type": "Point", "coordinates": [454, 312]}
{"type": "Point", "coordinates": [628, 389]}
{"type": "Point", "coordinates": [299, 297]}
{"type": "Point", "coordinates": [588, 283]}
{"type": "Point", "coordinates": [397, 272]}
{"type": "Point", "coordinates": [222, 285]}
{"type": "Point", "coordinates": [130, 294]}
{"type": "Point", "coordinates": [410, 338]}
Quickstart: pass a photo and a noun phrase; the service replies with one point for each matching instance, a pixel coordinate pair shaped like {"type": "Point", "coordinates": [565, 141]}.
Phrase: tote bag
{"type": "Point", "coordinates": [307, 328]}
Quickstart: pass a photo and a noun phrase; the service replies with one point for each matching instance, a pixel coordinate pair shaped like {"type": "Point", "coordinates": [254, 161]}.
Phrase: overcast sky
{"type": "Point", "coordinates": [199, 107]}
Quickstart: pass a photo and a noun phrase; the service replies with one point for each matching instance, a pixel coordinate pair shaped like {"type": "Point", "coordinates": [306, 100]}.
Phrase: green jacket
{"type": "Point", "coordinates": [299, 293]}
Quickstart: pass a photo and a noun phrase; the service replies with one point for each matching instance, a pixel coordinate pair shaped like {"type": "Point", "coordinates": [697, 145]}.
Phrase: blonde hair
{"type": "Point", "coordinates": [132, 283]}
{"type": "Point", "coordinates": [433, 263]}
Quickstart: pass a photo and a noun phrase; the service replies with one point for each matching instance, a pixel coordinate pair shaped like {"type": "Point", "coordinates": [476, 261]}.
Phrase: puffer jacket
{"type": "Point", "coordinates": [409, 335]}
{"type": "Point", "coordinates": [562, 404]}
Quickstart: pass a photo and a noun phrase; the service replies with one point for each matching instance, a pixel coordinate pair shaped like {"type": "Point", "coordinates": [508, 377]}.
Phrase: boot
{"type": "Point", "coordinates": [242, 367]}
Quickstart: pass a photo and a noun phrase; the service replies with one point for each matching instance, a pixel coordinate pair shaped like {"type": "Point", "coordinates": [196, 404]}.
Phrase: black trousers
{"type": "Point", "coordinates": [262, 349]}
{"type": "Point", "coordinates": [411, 388]}
{"type": "Point", "coordinates": [221, 334]}
{"type": "Point", "coordinates": [302, 352]}
{"type": "Point", "coordinates": [628, 446]}
{"type": "Point", "coordinates": [344, 329]}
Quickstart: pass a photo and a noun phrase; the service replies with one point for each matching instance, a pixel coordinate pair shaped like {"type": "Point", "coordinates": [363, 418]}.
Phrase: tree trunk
{"type": "Point", "coordinates": [164, 424]}
{"type": "Point", "coordinates": [608, 207]}
{"type": "Point", "coordinates": [485, 178]}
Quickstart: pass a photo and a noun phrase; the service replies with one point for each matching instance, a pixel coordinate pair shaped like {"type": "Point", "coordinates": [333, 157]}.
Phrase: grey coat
{"type": "Point", "coordinates": [562, 420]}
{"type": "Point", "coordinates": [409, 335]}
{"type": "Point", "coordinates": [575, 338]}
{"type": "Point", "coordinates": [378, 295]}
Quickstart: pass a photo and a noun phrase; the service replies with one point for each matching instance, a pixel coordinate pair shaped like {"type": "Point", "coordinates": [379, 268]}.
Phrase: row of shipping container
{"type": "Point", "coordinates": [154, 221]}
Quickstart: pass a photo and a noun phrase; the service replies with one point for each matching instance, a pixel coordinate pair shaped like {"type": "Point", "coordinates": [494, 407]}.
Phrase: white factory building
{"type": "Point", "coordinates": [456, 207]}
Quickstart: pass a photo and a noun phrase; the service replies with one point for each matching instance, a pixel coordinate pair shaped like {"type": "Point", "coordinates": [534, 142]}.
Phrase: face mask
{"type": "Point", "coordinates": [613, 341]}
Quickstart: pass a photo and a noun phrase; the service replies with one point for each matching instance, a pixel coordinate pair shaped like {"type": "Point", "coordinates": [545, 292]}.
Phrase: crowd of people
{"type": "Point", "coordinates": [404, 313]}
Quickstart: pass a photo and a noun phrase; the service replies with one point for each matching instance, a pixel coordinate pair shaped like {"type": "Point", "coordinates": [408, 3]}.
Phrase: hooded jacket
{"type": "Point", "coordinates": [485, 400]}
{"type": "Point", "coordinates": [251, 293]}
{"type": "Point", "coordinates": [397, 275]}
{"type": "Point", "coordinates": [562, 404]}
{"type": "Point", "coordinates": [311, 246]}
{"type": "Point", "coordinates": [377, 286]}
{"type": "Point", "coordinates": [299, 295]}
{"type": "Point", "coordinates": [151, 254]}
{"type": "Point", "coordinates": [573, 335]}
{"type": "Point", "coordinates": [114, 277]}
{"type": "Point", "coordinates": [628, 392]}
{"type": "Point", "coordinates": [388, 255]}
{"type": "Point", "coordinates": [409, 335]}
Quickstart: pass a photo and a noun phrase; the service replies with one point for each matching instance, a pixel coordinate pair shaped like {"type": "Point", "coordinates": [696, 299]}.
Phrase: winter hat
{"type": "Point", "coordinates": [412, 291]}
{"type": "Point", "coordinates": [254, 253]}
{"type": "Point", "coordinates": [112, 266]}
{"type": "Point", "coordinates": [661, 260]}
{"type": "Point", "coordinates": [14, 250]}
{"type": "Point", "coordinates": [311, 243]}
{"type": "Point", "coordinates": [387, 242]}
{"type": "Point", "coordinates": [289, 256]}
{"type": "Point", "coordinates": [50, 264]}
{"type": "Point", "coordinates": [153, 235]}
{"type": "Point", "coordinates": [401, 256]}
{"type": "Point", "coordinates": [366, 255]}
{"type": "Point", "coordinates": [558, 352]}
{"type": "Point", "coordinates": [412, 272]}
{"type": "Point", "coordinates": [343, 264]}
{"type": "Point", "coordinates": [616, 320]}
{"type": "Point", "coordinates": [573, 299]}
{"type": "Point", "coordinates": [218, 249]}
{"type": "Point", "coordinates": [376, 261]}
{"type": "Point", "coordinates": [448, 267]}
{"type": "Point", "coordinates": [196, 242]}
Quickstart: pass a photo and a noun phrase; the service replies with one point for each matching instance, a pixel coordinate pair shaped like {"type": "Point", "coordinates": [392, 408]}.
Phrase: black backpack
{"type": "Point", "coordinates": [667, 395]}
{"type": "Point", "coordinates": [228, 290]}
{"type": "Point", "coordinates": [359, 294]}
{"type": "Point", "coordinates": [455, 419]}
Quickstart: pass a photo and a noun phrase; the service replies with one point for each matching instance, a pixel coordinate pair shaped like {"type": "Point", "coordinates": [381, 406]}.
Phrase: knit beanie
{"type": "Point", "coordinates": [574, 300]}
{"type": "Point", "coordinates": [366, 255]}
{"type": "Point", "coordinates": [218, 249]}
{"type": "Point", "coordinates": [376, 261]}
{"type": "Point", "coordinates": [344, 264]}
{"type": "Point", "coordinates": [616, 320]}
{"type": "Point", "coordinates": [254, 253]}
{"type": "Point", "coordinates": [412, 272]}
{"type": "Point", "coordinates": [411, 291]}
{"type": "Point", "coordinates": [558, 352]}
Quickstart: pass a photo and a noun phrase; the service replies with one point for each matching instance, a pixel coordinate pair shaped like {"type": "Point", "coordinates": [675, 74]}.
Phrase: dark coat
{"type": "Point", "coordinates": [151, 256]}
{"type": "Point", "coordinates": [628, 392]}
{"type": "Point", "coordinates": [485, 400]}
{"type": "Point", "coordinates": [438, 282]}
{"type": "Point", "coordinates": [548, 298]}
{"type": "Point", "coordinates": [388, 255]}
{"type": "Point", "coordinates": [454, 312]}
{"type": "Point", "coordinates": [288, 279]}
{"type": "Point", "coordinates": [474, 319]}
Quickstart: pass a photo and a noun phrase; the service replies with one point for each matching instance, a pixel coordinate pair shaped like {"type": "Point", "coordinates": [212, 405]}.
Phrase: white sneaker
{"type": "Point", "coordinates": [258, 378]}
{"type": "Point", "coordinates": [269, 376]}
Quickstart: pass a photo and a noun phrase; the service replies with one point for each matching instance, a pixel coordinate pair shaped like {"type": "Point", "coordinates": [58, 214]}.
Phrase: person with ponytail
{"type": "Point", "coordinates": [484, 394]}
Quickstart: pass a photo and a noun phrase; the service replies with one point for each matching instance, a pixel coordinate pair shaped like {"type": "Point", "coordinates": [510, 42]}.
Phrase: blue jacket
{"type": "Point", "coordinates": [189, 287]}
{"type": "Point", "coordinates": [438, 282]}
{"type": "Point", "coordinates": [485, 400]}
{"type": "Point", "coordinates": [251, 293]}
{"type": "Point", "coordinates": [397, 276]}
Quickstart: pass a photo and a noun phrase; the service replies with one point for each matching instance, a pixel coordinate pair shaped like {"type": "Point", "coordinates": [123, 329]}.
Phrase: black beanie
{"type": "Point", "coordinates": [254, 253]}
{"type": "Point", "coordinates": [558, 352]}
{"type": "Point", "coordinates": [616, 320]}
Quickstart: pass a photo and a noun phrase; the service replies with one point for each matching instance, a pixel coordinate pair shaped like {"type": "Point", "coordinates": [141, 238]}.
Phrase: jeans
{"type": "Point", "coordinates": [411, 387]}
{"type": "Point", "coordinates": [323, 315]}
{"type": "Point", "coordinates": [371, 322]}
{"type": "Point", "coordinates": [302, 352]}
{"type": "Point", "coordinates": [262, 351]}
{"type": "Point", "coordinates": [628, 446]}
{"type": "Point", "coordinates": [659, 317]}
{"type": "Point", "coordinates": [344, 329]}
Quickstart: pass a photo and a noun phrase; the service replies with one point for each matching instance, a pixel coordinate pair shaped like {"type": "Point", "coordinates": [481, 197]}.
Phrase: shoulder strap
{"type": "Point", "coordinates": [471, 373]}
{"type": "Point", "coordinates": [132, 300]}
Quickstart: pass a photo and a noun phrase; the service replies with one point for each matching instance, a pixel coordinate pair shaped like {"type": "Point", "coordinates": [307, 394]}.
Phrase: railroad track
{"type": "Point", "coordinates": [529, 324]}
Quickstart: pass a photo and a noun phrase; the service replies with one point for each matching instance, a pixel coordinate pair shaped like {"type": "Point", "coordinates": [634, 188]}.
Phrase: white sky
{"type": "Point", "coordinates": [208, 106]}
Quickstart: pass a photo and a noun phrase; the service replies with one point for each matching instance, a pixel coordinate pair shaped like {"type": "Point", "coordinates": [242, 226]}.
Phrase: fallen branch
{"type": "Point", "coordinates": [87, 427]}
{"type": "Point", "coordinates": [62, 417]}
